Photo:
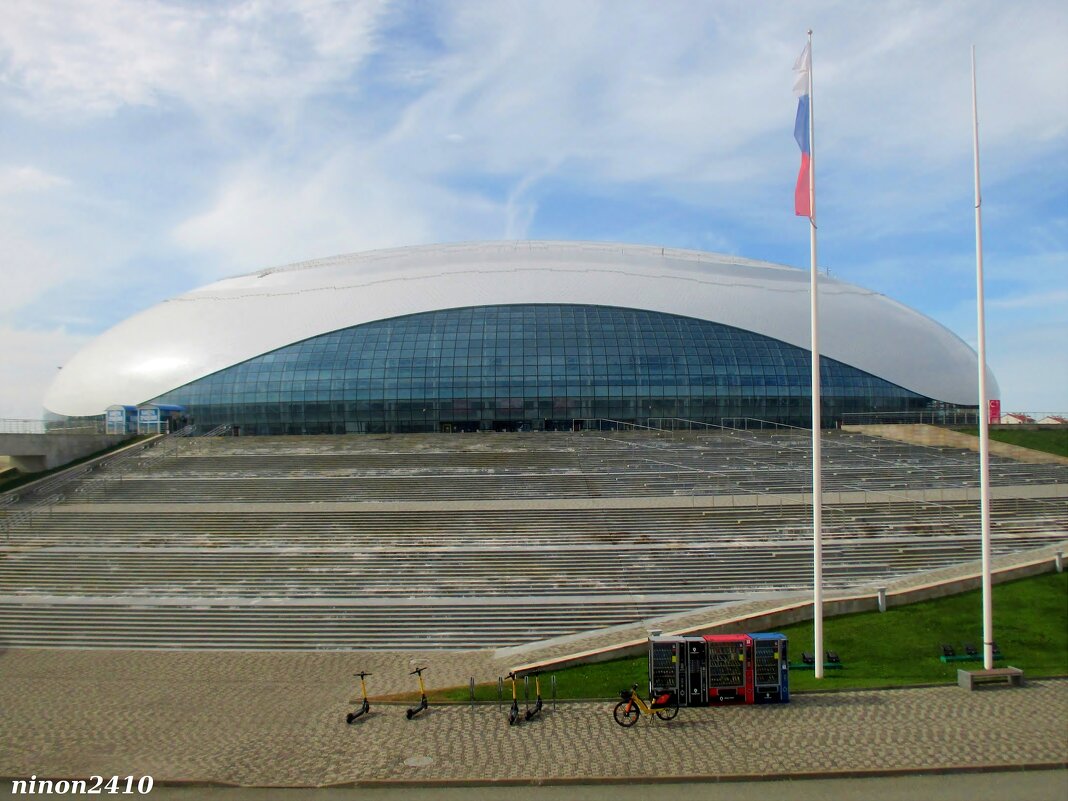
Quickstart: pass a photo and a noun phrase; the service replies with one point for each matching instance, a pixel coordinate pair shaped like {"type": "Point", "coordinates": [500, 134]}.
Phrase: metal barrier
{"type": "Point", "coordinates": [762, 424]}
{"type": "Point", "coordinates": [15, 425]}
{"type": "Point", "coordinates": [934, 417]}
{"type": "Point", "coordinates": [607, 424]}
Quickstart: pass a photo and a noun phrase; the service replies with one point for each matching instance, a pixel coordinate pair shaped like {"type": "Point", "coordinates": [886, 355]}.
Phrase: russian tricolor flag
{"type": "Point", "coordinates": [803, 191]}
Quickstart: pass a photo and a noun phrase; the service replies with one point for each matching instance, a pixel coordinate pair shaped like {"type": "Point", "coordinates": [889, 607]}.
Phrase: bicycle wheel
{"type": "Point", "coordinates": [670, 711]}
{"type": "Point", "coordinates": [626, 713]}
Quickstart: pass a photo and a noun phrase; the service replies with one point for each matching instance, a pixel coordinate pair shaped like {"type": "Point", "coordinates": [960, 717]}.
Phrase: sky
{"type": "Point", "coordinates": [148, 148]}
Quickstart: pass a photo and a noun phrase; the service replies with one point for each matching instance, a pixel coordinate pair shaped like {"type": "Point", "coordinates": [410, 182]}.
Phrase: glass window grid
{"type": "Point", "coordinates": [528, 363]}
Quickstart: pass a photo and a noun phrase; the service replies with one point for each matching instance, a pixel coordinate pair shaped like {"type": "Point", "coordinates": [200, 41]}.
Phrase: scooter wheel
{"type": "Point", "coordinates": [349, 718]}
{"type": "Point", "coordinates": [408, 712]}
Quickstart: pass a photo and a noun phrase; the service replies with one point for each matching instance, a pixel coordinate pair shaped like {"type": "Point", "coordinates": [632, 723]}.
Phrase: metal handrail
{"type": "Point", "coordinates": [22, 515]}
{"type": "Point", "coordinates": [689, 423]}
{"type": "Point", "coordinates": [772, 423]}
{"type": "Point", "coordinates": [67, 477]}
{"type": "Point", "coordinates": [587, 423]}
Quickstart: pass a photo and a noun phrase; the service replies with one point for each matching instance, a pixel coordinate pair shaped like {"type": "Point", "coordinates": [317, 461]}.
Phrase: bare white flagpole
{"type": "Point", "coordinates": [817, 471]}
{"type": "Point", "coordinates": [984, 402]}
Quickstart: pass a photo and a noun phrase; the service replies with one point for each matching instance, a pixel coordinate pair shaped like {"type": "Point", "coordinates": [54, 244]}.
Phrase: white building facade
{"type": "Point", "coordinates": [517, 335]}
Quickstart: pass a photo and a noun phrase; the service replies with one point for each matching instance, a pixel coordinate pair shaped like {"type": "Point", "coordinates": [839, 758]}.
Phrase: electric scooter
{"type": "Point", "coordinates": [531, 713]}
{"type": "Point", "coordinates": [513, 713]}
{"type": "Point", "coordinates": [365, 707]}
{"type": "Point", "coordinates": [411, 713]}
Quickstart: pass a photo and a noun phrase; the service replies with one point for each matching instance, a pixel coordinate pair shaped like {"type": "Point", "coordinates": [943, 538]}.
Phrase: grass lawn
{"type": "Point", "coordinates": [1053, 440]}
{"type": "Point", "coordinates": [896, 648]}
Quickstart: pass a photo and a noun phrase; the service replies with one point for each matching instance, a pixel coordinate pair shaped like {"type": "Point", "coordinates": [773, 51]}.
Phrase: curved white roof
{"type": "Point", "coordinates": [208, 329]}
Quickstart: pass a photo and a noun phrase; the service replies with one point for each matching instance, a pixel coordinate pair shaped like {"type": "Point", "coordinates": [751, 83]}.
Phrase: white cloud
{"type": "Point", "coordinates": [75, 58]}
{"type": "Point", "coordinates": [27, 178]}
{"type": "Point", "coordinates": [31, 359]}
{"type": "Point", "coordinates": [1055, 299]}
{"type": "Point", "coordinates": [1028, 359]}
{"type": "Point", "coordinates": [30, 268]}
{"type": "Point", "coordinates": [265, 215]}
{"type": "Point", "coordinates": [251, 133]}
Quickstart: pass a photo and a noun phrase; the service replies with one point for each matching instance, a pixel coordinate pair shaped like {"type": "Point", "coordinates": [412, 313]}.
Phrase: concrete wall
{"type": "Point", "coordinates": [32, 453]}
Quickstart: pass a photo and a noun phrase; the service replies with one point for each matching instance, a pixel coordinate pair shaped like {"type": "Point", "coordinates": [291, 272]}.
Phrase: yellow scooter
{"type": "Point", "coordinates": [411, 713]}
{"type": "Point", "coordinates": [531, 713]}
{"type": "Point", "coordinates": [365, 707]}
{"type": "Point", "coordinates": [513, 713]}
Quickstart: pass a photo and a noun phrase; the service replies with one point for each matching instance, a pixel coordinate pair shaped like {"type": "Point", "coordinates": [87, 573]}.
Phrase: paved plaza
{"type": "Point", "coordinates": [256, 718]}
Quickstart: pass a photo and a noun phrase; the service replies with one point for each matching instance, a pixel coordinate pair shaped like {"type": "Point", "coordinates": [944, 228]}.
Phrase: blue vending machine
{"type": "Point", "coordinates": [771, 669]}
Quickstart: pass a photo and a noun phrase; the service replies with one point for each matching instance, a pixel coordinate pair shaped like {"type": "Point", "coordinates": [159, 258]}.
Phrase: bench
{"type": "Point", "coordinates": [971, 654]}
{"type": "Point", "coordinates": [808, 662]}
{"type": "Point", "coordinates": [969, 678]}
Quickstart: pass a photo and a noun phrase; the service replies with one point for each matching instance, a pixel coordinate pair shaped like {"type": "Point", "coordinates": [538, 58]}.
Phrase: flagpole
{"type": "Point", "coordinates": [984, 403]}
{"type": "Point", "coordinates": [817, 472]}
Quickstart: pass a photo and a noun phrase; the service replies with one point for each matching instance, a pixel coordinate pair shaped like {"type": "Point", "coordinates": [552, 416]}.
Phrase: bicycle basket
{"type": "Point", "coordinates": [626, 694]}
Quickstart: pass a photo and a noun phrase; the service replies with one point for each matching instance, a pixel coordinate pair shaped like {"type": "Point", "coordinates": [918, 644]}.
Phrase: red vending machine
{"type": "Point", "coordinates": [729, 660]}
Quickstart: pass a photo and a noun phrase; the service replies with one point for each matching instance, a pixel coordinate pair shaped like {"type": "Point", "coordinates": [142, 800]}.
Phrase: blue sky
{"type": "Point", "coordinates": [151, 147]}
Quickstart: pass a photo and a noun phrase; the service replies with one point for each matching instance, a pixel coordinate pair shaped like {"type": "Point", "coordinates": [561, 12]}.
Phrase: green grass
{"type": "Point", "coordinates": [899, 647]}
{"type": "Point", "coordinates": [1051, 440]}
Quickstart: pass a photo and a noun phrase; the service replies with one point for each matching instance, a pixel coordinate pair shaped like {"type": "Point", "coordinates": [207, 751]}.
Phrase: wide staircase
{"type": "Point", "coordinates": [471, 541]}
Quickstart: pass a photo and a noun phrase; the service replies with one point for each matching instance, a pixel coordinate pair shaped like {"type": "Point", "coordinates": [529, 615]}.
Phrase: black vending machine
{"type": "Point", "coordinates": [679, 665]}
{"type": "Point", "coordinates": [694, 683]}
{"type": "Point", "coordinates": [666, 658]}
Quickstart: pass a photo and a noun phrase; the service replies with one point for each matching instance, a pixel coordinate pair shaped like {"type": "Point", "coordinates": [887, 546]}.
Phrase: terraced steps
{"type": "Point", "coordinates": [308, 542]}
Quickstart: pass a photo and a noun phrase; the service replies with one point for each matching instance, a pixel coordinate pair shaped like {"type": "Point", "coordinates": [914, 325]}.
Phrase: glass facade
{"type": "Point", "coordinates": [528, 367]}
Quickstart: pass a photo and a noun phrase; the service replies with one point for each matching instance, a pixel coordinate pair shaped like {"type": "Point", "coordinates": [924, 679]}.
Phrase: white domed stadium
{"type": "Point", "coordinates": [516, 336]}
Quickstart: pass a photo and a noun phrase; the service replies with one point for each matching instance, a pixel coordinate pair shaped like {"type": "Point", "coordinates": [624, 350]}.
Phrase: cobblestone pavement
{"type": "Point", "coordinates": [278, 719]}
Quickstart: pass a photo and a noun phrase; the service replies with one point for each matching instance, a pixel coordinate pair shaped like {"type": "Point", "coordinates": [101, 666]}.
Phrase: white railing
{"type": "Point", "coordinates": [18, 425]}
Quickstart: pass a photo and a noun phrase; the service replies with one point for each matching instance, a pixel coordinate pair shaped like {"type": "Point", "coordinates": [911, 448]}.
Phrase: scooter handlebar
{"type": "Point", "coordinates": [417, 670]}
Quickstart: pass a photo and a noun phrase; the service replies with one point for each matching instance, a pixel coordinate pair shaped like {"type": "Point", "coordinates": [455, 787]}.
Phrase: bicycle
{"type": "Point", "coordinates": [627, 711]}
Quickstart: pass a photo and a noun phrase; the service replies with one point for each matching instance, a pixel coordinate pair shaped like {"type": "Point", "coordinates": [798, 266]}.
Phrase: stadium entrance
{"type": "Point", "coordinates": [459, 427]}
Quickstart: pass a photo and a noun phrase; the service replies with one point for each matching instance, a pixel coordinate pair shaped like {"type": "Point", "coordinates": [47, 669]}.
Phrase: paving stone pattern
{"type": "Point", "coordinates": [255, 718]}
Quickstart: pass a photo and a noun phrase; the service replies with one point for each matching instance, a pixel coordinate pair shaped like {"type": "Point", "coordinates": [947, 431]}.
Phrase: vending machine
{"type": "Point", "coordinates": [729, 668]}
{"type": "Point", "coordinates": [771, 669]}
{"type": "Point", "coordinates": [694, 675]}
{"type": "Point", "coordinates": [720, 669]}
{"type": "Point", "coordinates": [667, 656]}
